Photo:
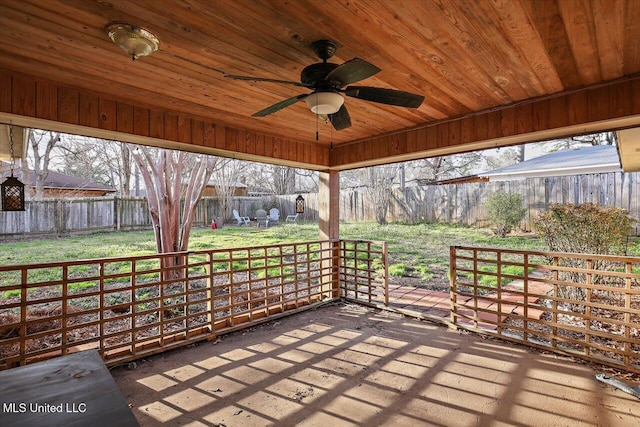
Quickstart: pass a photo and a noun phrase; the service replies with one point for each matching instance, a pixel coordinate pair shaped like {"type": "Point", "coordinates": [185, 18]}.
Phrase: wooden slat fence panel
{"type": "Point", "coordinates": [70, 216]}
{"type": "Point", "coordinates": [128, 308]}
{"type": "Point", "coordinates": [453, 203]}
{"type": "Point", "coordinates": [364, 272]}
{"type": "Point", "coordinates": [465, 203]}
{"type": "Point", "coordinates": [578, 304]}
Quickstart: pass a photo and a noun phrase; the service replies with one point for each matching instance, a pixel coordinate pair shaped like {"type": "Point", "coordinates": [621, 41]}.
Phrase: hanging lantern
{"type": "Point", "coordinates": [300, 204]}
{"type": "Point", "coordinates": [12, 189]}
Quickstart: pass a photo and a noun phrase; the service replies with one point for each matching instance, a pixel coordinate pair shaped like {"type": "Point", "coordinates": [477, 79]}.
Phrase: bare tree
{"type": "Point", "coordinates": [41, 144]}
{"type": "Point", "coordinates": [602, 138]}
{"type": "Point", "coordinates": [125, 168]}
{"type": "Point", "coordinates": [226, 175]}
{"type": "Point", "coordinates": [380, 180]}
{"type": "Point", "coordinates": [444, 167]}
{"type": "Point", "coordinates": [505, 157]}
{"type": "Point", "coordinates": [170, 177]}
{"type": "Point", "coordinates": [283, 179]}
{"type": "Point", "coordinates": [85, 158]}
{"type": "Point", "coordinates": [520, 151]}
{"type": "Point", "coordinates": [100, 160]}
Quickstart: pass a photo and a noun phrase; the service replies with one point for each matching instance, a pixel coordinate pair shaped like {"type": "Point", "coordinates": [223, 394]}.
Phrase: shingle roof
{"type": "Point", "coordinates": [586, 160]}
{"type": "Point", "coordinates": [60, 180]}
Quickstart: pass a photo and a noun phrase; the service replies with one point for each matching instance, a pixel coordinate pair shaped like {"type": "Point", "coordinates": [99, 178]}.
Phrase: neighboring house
{"type": "Point", "coordinates": [255, 191]}
{"type": "Point", "coordinates": [240, 189]}
{"type": "Point", "coordinates": [59, 185]}
{"type": "Point", "coordinates": [578, 161]}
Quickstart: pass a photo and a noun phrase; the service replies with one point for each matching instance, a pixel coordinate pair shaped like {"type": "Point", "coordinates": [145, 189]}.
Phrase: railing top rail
{"type": "Point", "coordinates": [374, 242]}
{"type": "Point", "coordinates": [54, 264]}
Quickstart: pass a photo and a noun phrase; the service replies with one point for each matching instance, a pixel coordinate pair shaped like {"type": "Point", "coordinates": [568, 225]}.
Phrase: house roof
{"type": "Point", "coordinates": [236, 184]}
{"type": "Point", "coordinates": [492, 73]}
{"type": "Point", "coordinates": [579, 161]}
{"type": "Point", "coordinates": [458, 180]}
{"type": "Point", "coordinates": [59, 180]}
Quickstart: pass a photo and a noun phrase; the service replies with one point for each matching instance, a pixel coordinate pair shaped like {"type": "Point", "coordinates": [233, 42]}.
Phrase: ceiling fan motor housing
{"type": "Point", "coordinates": [315, 75]}
{"type": "Point", "coordinates": [324, 48]}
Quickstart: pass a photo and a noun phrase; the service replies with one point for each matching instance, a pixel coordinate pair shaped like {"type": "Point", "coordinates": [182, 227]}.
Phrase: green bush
{"type": "Point", "coordinates": [586, 228]}
{"type": "Point", "coordinates": [505, 212]}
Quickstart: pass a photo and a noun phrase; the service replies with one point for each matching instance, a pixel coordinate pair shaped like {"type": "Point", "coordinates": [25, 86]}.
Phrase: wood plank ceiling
{"type": "Point", "coordinates": [467, 57]}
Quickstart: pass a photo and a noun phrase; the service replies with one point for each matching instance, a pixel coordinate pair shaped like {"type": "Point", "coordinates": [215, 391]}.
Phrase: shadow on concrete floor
{"type": "Point", "coordinates": [345, 365]}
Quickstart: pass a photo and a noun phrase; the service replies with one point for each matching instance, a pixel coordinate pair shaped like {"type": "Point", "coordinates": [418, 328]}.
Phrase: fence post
{"type": "Point", "coordinates": [59, 218]}
{"type": "Point", "coordinates": [385, 260]}
{"type": "Point", "coordinates": [452, 286]}
{"type": "Point", "coordinates": [116, 213]}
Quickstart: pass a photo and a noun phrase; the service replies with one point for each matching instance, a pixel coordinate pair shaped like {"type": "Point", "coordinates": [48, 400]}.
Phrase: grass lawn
{"type": "Point", "coordinates": [417, 252]}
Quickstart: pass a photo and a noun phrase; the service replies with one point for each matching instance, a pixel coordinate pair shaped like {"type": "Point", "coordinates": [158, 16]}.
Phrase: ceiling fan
{"type": "Point", "coordinates": [328, 81]}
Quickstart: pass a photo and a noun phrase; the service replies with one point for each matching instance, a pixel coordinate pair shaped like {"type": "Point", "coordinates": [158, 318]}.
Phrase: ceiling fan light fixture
{"type": "Point", "coordinates": [324, 102]}
{"type": "Point", "coordinates": [135, 41]}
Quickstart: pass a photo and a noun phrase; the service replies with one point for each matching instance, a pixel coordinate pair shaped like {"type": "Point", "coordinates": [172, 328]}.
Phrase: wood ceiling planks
{"type": "Point", "coordinates": [465, 56]}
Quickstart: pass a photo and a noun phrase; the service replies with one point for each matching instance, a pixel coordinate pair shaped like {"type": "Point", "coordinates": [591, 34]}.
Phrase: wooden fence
{"type": "Point", "coordinates": [69, 216]}
{"type": "Point", "coordinates": [128, 308]}
{"type": "Point", "coordinates": [452, 203]}
{"type": "Point", "coordinates": [465, 203]}
{"type": "Point", "coordinates": [578, 304]}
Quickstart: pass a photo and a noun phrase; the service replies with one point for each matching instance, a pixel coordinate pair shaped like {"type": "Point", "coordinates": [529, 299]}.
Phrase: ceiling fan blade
{"type": "Point", "coordinates": [341, 119]}
{"type": "Point", "coordinates": [385, 96]}
{"type": "Point", "coordinates": [280, 105]}
{"type": "Point", "coordinates": [262, 79]}
{"type": "Point", "coordinates": [353, 71]}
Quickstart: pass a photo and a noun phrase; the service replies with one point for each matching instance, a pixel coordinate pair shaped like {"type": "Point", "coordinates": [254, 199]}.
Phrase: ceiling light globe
{"type": "Point", "coordinates": [135, 41]}
{"type": "Point", "coordinates": [324, 102]}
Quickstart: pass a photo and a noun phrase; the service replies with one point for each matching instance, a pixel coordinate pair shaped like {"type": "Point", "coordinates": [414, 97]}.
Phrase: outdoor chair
{"type": "Point", "coordinates": [274, 216]}
{"type": "Point", "coordinates": [241, 219]}
{"type": "Point", "coordinates": [262, 218]}
{"type": "Point", "coordinates": [292, 218]}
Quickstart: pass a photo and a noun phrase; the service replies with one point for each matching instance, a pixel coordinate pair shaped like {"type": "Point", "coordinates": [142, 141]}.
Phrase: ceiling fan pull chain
{"type": "Point", "coordinates": [317, 120]}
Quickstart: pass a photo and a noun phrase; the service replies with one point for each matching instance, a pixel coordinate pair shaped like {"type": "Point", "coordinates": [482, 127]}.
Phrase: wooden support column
{"type": "Point", "coordinates": [329, 204]}
{"type": "Point", "coordinates": [329, 213]}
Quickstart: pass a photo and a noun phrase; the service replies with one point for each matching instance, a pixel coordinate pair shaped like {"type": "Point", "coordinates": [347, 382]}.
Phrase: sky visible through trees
{"type": "Point", "coordinates": [110, 163]}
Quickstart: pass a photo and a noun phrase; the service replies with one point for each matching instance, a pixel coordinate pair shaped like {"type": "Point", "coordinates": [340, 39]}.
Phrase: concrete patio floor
{"type": "Point", "coordinates": [345, 365]}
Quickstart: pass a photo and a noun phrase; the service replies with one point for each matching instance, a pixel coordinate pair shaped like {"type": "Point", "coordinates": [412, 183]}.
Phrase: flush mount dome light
{"type": "Point", "coordinates": [324, 102]}
{"type": "Point", "coordinates": [135, 41]}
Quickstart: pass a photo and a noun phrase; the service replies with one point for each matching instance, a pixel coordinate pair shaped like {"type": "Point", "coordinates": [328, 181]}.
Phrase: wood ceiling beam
{"type": "Point", "coordinates": [32, 102]}
{"type": "Point", "coordinates": [605, 107]}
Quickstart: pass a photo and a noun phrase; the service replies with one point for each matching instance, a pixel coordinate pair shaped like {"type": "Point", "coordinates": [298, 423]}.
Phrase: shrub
{"type": "Point", "coordinates": [505, 211]}
{"type": "Point", "coordinates": [397, 270]}
{"type": "Point", "coordinates": [586, 228]}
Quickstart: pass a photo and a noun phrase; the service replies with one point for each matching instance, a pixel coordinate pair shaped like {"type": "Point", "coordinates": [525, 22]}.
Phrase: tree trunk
{"type": "Point", "coordinates": [125, 173]}
{"type": "Point", "coordinates": [168, 176]}
{"type": "Point", "coordinates": [41, 158]}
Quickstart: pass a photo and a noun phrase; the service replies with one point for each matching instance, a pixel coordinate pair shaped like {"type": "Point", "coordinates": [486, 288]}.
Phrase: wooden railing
{"type": "Point", "coordinates": [131, 307]}
{"type": "Point", "coordinates": [576, 304]}
{"type": "Point", "coordinates": [364, 272]}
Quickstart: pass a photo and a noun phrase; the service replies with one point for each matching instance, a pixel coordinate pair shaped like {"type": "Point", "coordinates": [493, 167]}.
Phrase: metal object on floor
{"type": "Point", "coordinates": [72, 390]}
{"type": "Point", "coordinates": [634, 391]}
